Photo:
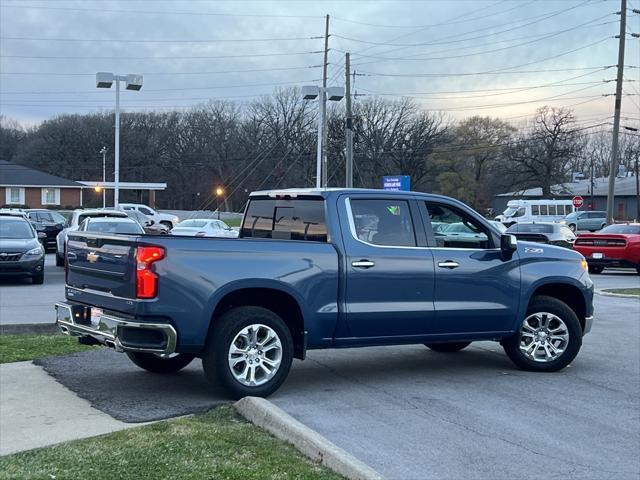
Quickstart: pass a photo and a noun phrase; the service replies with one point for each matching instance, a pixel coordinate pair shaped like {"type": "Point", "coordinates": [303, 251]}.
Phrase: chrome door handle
{"type": "Point", "coordinates": [363, 264]}
{"type": "Point", "coordinates": [449, 264]}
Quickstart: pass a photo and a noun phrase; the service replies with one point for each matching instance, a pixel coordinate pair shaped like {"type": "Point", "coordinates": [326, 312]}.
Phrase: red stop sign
{"type": "Point", "coordinates": [577, 201]}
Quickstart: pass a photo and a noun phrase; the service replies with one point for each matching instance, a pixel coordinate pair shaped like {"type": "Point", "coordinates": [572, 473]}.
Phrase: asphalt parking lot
{"type": "Point", "coordinates": [413, 413]}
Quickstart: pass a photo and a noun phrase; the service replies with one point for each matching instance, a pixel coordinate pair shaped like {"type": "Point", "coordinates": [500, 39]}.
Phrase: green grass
{"type": "Point", "coordinates": [17, 348]}
{"type": "Point", "coordinates": [215, 445]}
{"type": "Point", "coordinates": [234, 222]}
{"type": "Point", "coordinates": [624, 291]}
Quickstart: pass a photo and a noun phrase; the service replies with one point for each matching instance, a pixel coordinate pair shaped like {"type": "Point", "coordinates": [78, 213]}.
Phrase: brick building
{"type": "Point", "coordinates": [24, 186]}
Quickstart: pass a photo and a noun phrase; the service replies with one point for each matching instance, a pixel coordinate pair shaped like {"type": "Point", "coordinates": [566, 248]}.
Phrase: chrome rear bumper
{"type": "Point", "coordinates": [115, 332]}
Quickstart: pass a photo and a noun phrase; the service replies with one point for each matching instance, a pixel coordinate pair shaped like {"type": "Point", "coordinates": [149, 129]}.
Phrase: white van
{"type": "Point", "coordinates": [522, 211]}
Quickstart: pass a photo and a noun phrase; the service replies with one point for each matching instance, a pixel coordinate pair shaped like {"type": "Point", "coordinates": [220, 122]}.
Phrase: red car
{"type": "Point", "coordinates": [613, 246]}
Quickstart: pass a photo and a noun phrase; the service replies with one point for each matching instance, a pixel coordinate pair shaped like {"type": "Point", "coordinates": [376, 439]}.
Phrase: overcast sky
{"type": "Point", "coordinates": [496, 57]}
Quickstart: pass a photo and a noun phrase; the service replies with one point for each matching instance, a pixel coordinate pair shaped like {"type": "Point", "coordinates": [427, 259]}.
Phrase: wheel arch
{"type": "Point", "coordinates": [274, 297]}
{"type": "Point", "coordinates": [567, 293]}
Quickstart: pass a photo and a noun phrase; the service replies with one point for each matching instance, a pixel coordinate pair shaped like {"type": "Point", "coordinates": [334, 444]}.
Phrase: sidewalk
{"type": "Point", "coordinates": [36, 411]}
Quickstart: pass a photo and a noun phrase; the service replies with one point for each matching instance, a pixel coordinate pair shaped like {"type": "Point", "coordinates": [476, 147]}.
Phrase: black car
{"type": "Point", "coordinates": [550, 233]}
{"type": "Point", "coordinates": [20, 251]}
{"type": "Point", "coordinates": [48, 222]}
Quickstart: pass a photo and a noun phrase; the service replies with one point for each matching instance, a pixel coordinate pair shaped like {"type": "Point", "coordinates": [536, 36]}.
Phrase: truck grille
{"type": "Point", "coordinates": [10, 256]}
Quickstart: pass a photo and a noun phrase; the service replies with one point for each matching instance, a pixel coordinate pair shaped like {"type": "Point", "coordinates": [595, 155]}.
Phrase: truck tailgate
{"type": "Point", "coordinates": [102, 263]}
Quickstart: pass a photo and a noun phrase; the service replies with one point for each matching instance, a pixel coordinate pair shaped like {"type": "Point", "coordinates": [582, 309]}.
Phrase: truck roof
{"type": "Point", "coordinates": [327, 192]}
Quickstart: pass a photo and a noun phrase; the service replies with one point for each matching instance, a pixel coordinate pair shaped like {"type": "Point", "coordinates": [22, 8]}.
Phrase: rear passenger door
{"type": "Point", "coordinates": [389, 270]}
{"type": "Point", "coordinates": [476, 290]}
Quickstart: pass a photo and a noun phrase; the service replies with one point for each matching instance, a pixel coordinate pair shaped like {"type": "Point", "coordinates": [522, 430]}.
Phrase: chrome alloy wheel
{"type": "Point", "coordinates": [543, 337]}
{"type": "Point", "coordinates": [255, 355]}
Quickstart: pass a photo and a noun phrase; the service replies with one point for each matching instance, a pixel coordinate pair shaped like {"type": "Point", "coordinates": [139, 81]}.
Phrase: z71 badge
{"type": "Point", "coordinates": [533, 250]}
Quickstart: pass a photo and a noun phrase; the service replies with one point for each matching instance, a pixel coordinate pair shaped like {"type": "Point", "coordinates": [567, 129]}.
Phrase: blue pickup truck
{"type": "Point", "coordinates": [329, 268]}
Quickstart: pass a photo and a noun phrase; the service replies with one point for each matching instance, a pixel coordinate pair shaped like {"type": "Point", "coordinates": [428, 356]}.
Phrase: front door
{"type": "Point", "coordinates": [389, 269]}
{"type": "Point", "coordinates": [476, 290]}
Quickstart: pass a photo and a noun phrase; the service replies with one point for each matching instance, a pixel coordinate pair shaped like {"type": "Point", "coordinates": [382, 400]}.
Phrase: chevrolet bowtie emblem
{"type": "Point", "coordinates": [92, 257]}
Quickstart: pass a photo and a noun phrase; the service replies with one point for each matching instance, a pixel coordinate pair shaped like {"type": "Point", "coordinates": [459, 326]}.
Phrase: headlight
{"type": "Point", "coordinates": [39, 227]}
{"type": "Point", "coordinates": [35, 252]}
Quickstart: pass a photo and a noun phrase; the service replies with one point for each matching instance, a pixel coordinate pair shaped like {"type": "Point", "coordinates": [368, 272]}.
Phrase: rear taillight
{"type": "Point", "coordinates": [146, 279]}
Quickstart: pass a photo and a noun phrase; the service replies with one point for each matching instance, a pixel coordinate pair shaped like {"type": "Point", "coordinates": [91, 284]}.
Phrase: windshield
{"type": "Point", "coordinates": [192, 223]}
{"type": "Point", "coordinates": [15, 229]}
{"type": "Point", "coordinates": [629, 229]}
{"type": "Point", "coordinates": [530, 228]}
{"type": "Point", "coordinates": [114, 227]}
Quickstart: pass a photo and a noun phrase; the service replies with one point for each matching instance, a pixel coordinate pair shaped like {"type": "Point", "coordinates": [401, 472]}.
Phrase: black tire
{"type": "Point", "coordinates": [59, 260]}
{"type": "Point", "coordinates": [167, 224]}
{"type": "Point", "coordinates": [37, 278]}
{"type": "Point", "coordinates": [447, 347]}
{"type": "Point", "coordinates": [572, 227]}
{"type": "Point", "coordinates": [221, 335]}
{"type": "Point", "coordinates": [157, 364]}
{"type": "Point", "coordinates": [556, 307]}
{"type": "Point", "coordinates": [595, 270]}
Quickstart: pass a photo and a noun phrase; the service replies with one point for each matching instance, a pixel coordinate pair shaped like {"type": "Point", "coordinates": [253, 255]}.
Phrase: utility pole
{"type": "Point", "coordinates": [616, 114]}
{"type": "Point", "coordinates": [349, 125]}
{"type": "Point", "coordinates": [323, 104]}
{"type": "Point", "coordinates": [104, 176]}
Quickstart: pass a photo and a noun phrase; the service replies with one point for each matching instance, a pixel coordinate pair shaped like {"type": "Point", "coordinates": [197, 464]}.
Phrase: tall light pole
{"type": "Point", "coordinates": [132, 82]}
{"type": "Point", "coordinates": [104, 176]}
{"type": "Point", "coordinates": [335, 94]}
{"type": "Point", "coordinates": [219, 194]}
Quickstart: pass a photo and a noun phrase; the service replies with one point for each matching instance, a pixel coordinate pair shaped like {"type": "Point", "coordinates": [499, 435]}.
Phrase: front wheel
{"type": "Point", "coordinates": [595, 270]}
{"type": "Point", "coordinates": [59, 260]}
{"type": "Point", "coordinates": [549, 337]}
{"type": "Point", "coordinates": [447, 347]}
{"type": "Point", "coordinates": [249, 351]}
{"type": "Point", "coordinates": [38, 278]}
{"type": "Point", "coordinates": [156, 363]}
{"type": "Point", "coordinates": [572, 227]}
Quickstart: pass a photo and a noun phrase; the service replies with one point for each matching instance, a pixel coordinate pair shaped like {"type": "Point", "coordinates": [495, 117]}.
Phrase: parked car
{"type": "Point", "coordinates": [79, 215]}
{"type": "Point", "coordinates": [499, 225]}
{"type": "Point", "coordinates": [526, 211]}
{"type": "Point", "coordinates": [204, 228]}
{"type": "Point", "coordinates": [590, 220]}
{"type": "Point", "coordinates": [12, 212]}
{"type": "Point", "coordinates": [48, 222]}
{"type": "Point", "coordinates": [148, 224]}
{"type": "Point", "coordinates": [326, 268]}
{"type": "Point", "coordinates": [614, 246]}
{"type": "Point", "coordinates": [162, 218]}
{"type": "Point", "coordinates": [111, 226]}
{"type": "Point", "coordinates": [21, 253]}
{"type": "Point", "coordinates": [549, 233]}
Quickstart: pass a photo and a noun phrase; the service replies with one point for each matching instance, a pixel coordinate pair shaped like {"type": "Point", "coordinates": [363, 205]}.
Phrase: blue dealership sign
{"type": "Point", "coordinates": [398, 182]}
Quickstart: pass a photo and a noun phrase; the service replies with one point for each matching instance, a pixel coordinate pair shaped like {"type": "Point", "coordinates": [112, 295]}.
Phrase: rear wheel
{"type": "Point", "coordinates": [595, 270]}
{"type": "Point", "coordinates": [167, 224]}
{"type": "Point", "coordinates": [549, 337]}
{"type": "Point", "coordinates": [572, 227]}
{"type": "Point", "coordinates": [156, 363]}
{"type": "Point", "coordinates": [249, 351]}
{"type": "Point", "coordinates": [448, 347]}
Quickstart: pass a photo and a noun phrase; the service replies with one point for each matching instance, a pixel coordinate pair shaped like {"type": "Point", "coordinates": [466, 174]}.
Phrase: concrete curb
{"type": "Point", "coordinates": [266, 415]}
{"type": "Point", "coordinates": [34, 328]}
{"type": "Point", "coordinates": [611, 294]}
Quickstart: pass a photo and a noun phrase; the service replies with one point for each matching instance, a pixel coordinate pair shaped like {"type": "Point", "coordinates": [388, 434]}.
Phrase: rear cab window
{"type": "Point", "coordinates": [285, 219]}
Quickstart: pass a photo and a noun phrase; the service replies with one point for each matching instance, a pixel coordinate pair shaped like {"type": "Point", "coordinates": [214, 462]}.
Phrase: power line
{"type": "Point", "coordinates": [156, 12]}
{"type": "Point", "coordinates": [365, 73]}
{"type": "Point", "coordinates": [119, 40]}
{"type": "Point", "coordinates": [181, 57]}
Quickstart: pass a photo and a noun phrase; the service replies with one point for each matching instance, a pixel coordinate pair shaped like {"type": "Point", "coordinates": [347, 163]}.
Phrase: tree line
{"type": "Point", "coordinates": [271, 143]}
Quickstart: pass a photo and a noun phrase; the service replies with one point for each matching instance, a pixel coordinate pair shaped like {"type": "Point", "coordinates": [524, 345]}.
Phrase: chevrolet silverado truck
{"type": "Point", "coordinates": [332, 268]}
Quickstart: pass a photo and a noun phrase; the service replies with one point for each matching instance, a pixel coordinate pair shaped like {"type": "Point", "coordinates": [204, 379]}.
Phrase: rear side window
{"type": "Point", "coordinates": [383, 222]}
{"type": "Point", "coordinates": [285, 220]}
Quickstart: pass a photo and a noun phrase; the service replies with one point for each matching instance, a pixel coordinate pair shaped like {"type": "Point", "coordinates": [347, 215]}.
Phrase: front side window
{"type": "Point", "coordinates": [383, 222]}
{"type": "Point", "coordinates": [146, 211]}
{"type": "Point", "coordinates": [459, 230]}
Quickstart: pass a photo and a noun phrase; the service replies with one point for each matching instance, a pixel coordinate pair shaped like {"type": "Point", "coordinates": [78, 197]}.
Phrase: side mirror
{"type": "Point", "coordinates": [508, 244]}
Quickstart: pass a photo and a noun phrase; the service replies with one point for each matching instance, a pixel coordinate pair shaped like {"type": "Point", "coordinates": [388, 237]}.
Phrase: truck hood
{"type": "Point", "coordinates": [539, 250]}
